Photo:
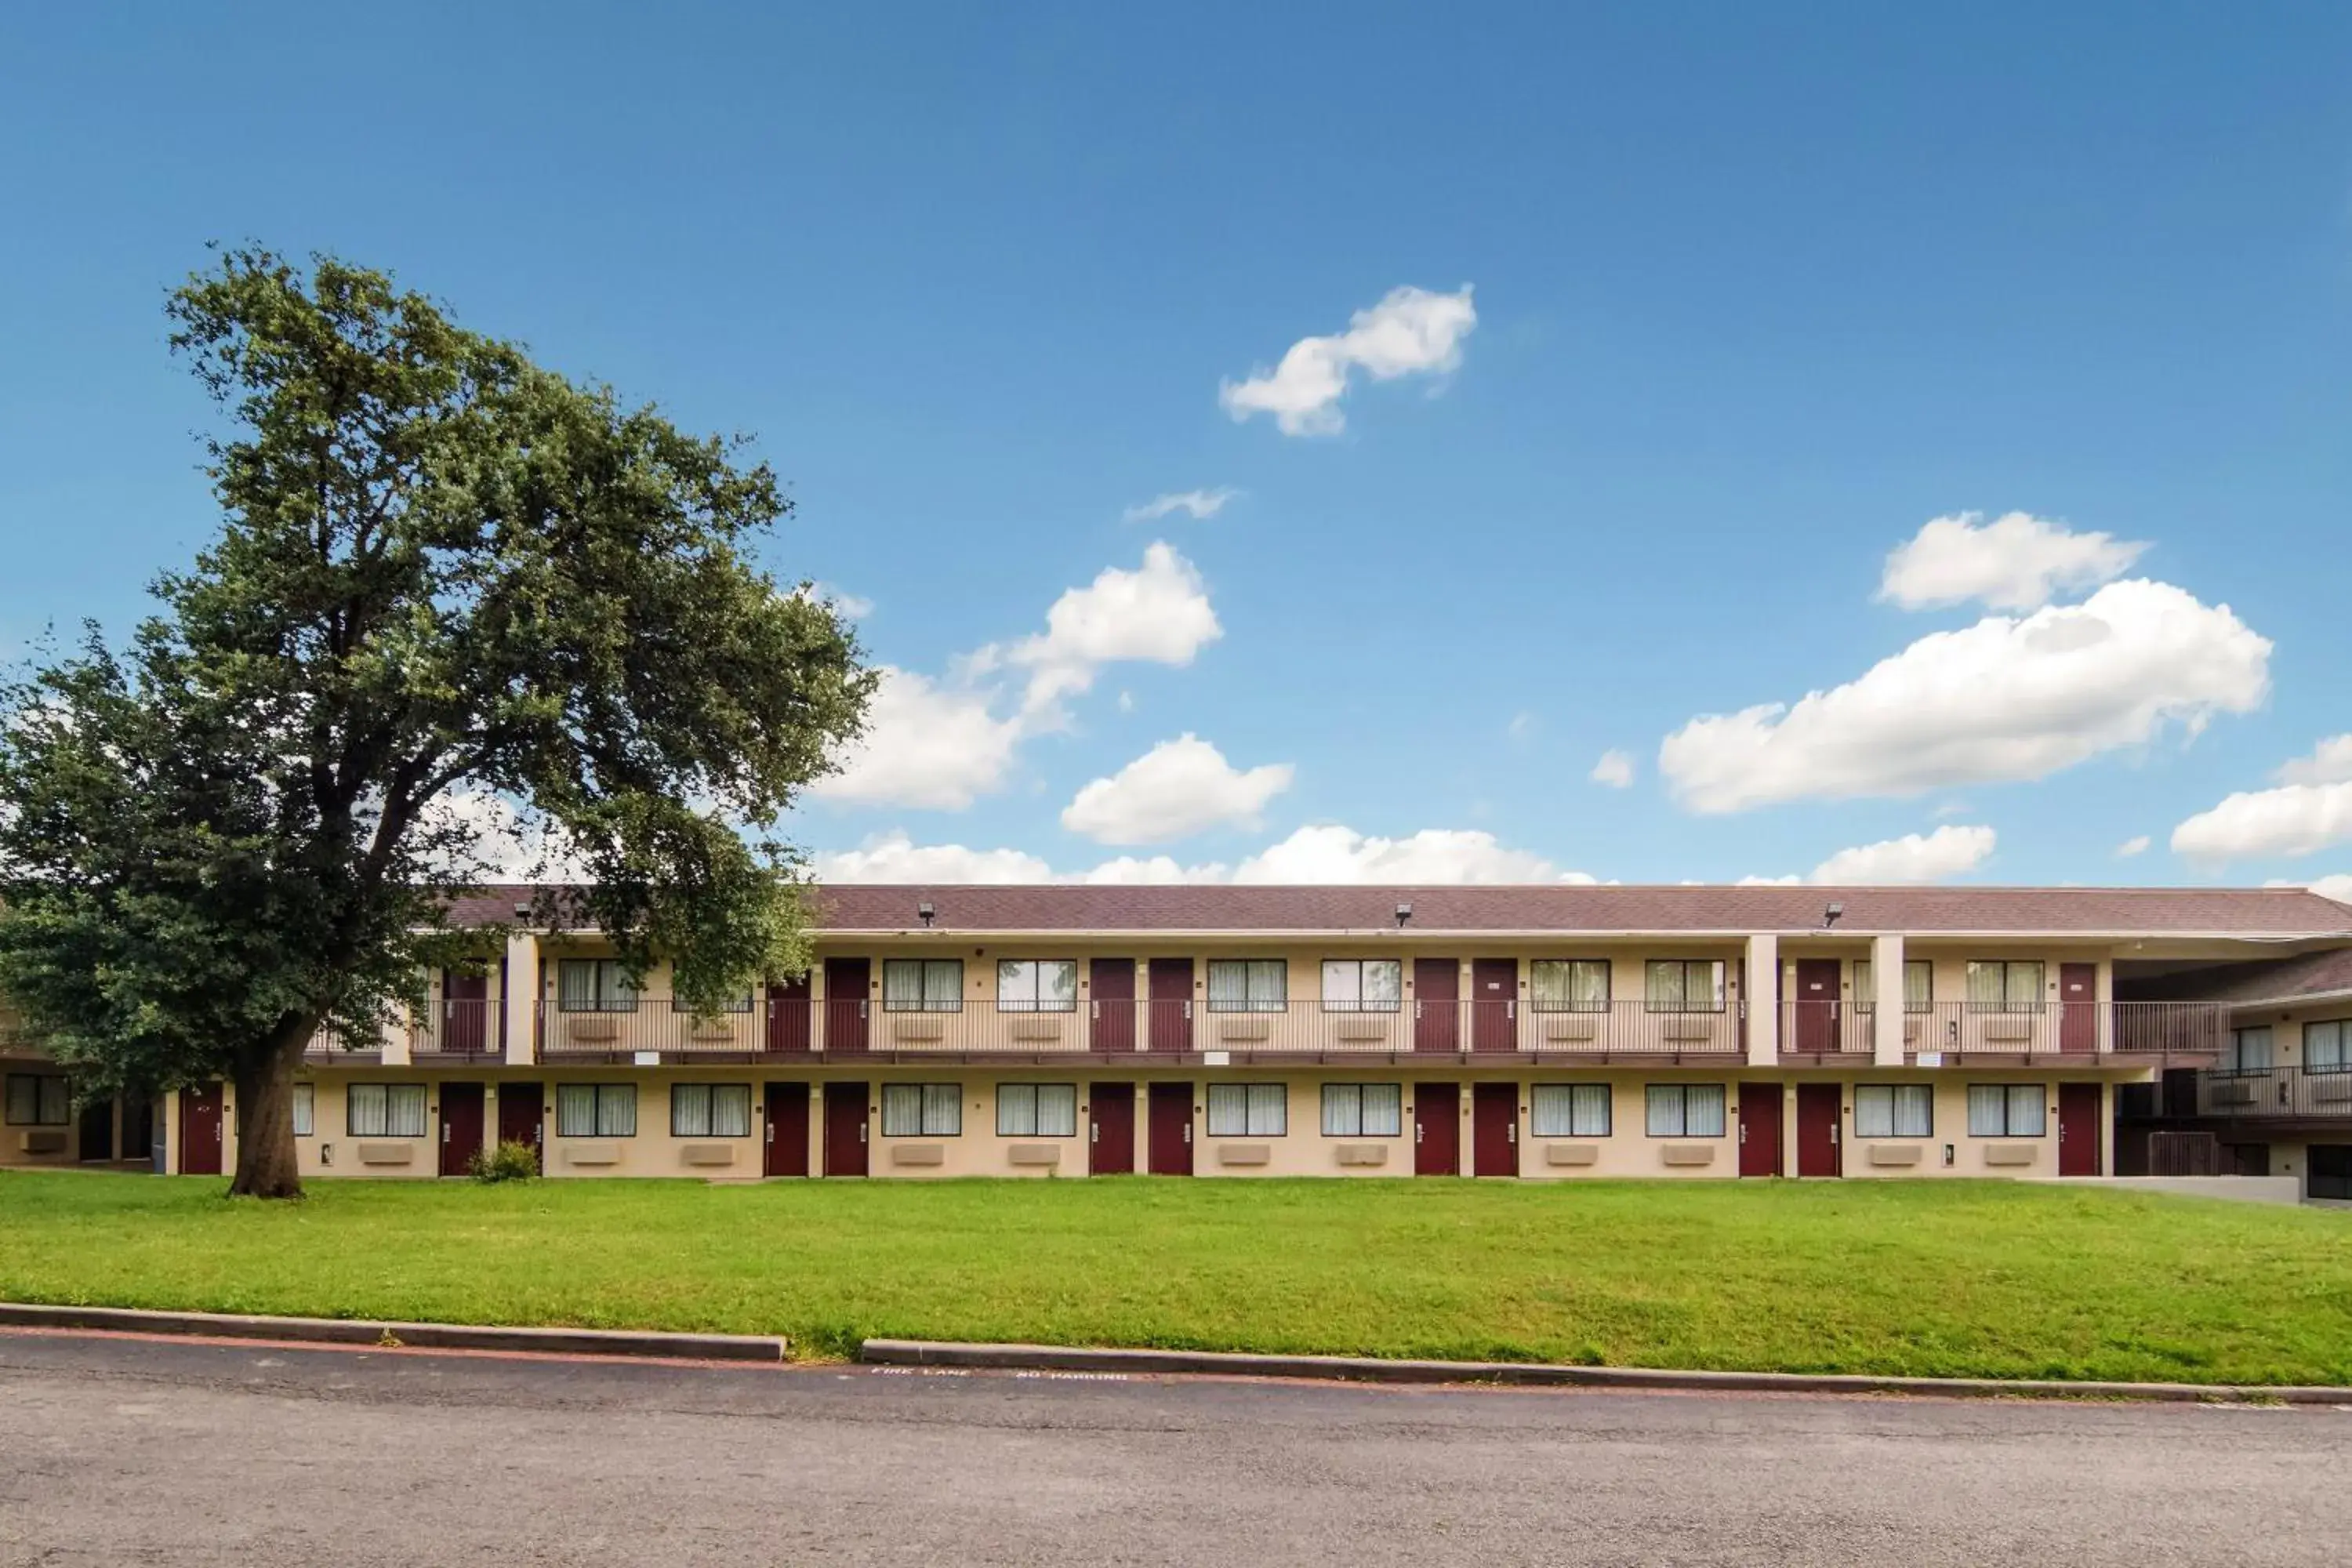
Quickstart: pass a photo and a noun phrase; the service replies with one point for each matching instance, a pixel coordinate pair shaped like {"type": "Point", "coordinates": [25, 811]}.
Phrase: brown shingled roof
{"type": "Point", "coordinates": [2278, 912]}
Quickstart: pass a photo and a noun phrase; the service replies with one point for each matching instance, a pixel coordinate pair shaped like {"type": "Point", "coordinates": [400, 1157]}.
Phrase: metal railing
{"type": "Point", "coordinates": [459, 1028]}
{"type": "Point", "coordinates": [2275, 1094]}
{"type": "Point", "coordinates": [1964, 1030]}
{"type": "Point", "coordinates": [1120, 1027]}
{"type": "Point", "coordinates": [654, 1025]}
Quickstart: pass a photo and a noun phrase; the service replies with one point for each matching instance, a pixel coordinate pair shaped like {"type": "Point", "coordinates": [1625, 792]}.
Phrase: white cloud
{"type": "Point", "coordinates": [1615, 769]}
{"type": "Point", "coordinates": [1126, 702]}
{"type": "Point", "coordinates": [848, 605]}
{"type": "Point", "coordinates": [1792, 880]}
{"type": "Point", "coordinates": [1198, 504]}
{"type": "Point", "coordinates": [1948, 851]}
{"type": "Point", "coordinates": [2330, 763]}
{"type": "Point", "coordinates": [2292, 819]}
{"type": "Point", "coordinates": [1178, 787]}
{"type": "Point", "coordinates": [1411, 332]}
{"type": "Point", "coordinates": [1522, 726]}
{"type": "Point", "coordinates": [501, 843]}
{"type": "Point", "coordinates": [2337, 887]}
{"type": "Point", "coordinates": [894, 858]}
{"type": "Point", "coordinates": [2014, 562]}
{"type": "Point", "coordinates": [1158, 613]}
{"type": "Point", "coordinates": [926, 745]}
{"type": "Point", "coordinates": [2131, 846]}
{"type": "Point", "coordinates": [1333, 854]}
{"type": "Point", "coordinates": [2007, 699]}
{"type": "Point", "coordinates": [1327, 854]}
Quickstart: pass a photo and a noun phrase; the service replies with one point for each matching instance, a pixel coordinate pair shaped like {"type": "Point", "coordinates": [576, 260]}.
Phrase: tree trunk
{"type": "Point", "coordinates": [266, 1166]}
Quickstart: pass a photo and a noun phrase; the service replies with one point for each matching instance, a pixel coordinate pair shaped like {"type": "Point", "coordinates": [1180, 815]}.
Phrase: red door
{"type": "Point", "coordinates": [1110, 982]}
{"type": "Point", "coordinates": [1172, 1018]}
{"type": "Point", "coordinates": [465, 1011]}
{"type": "Point", "coordinates": [461, 1127]}
{"type": "Point", "coordinates": [787, 1131]}
{"type": "Point", "coordinates": [1436, 1005]}
{"type": "Point", "coordinates": [1110, 1128]}
{"type": "Point", "coordinates": [1436, 1129]}
{"type": "Point", "coordinates": [844, 1125]}
{"type": "Point", "coordinates": [1759, 1129]}
{"type": "Point", "coordinates": [1170, 1140]}
{"type": "Point", "coordinates": [788, 1017]}
{"type": "Point", "coordinates": [2078, 1129]}
{"type": "Point", "coordinates": [1816, 1008]}
{"type": "Point", "coordinates": [1495, 1005]}
{"type": "Point", "coordinates": [200, 1129]}
{"type": "Point", "coordinates": [1818, 1150]}
{"type": "Point", "coordinates": [1495, 1130]}
{"type": "Point", "coordinates": [2078, 1007]}
{"type": "Point", "coordinates": [522, 1117]}
{"type": "Point", "coordinates": [846, 981]}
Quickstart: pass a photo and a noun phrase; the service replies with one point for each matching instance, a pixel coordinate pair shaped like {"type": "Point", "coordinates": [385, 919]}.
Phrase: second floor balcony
{"type": "Point", "coordinates": [1953, 1032]}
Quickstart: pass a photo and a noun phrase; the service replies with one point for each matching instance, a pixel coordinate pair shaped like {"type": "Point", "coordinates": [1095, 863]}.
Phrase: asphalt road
{"type": "Point", "coordinates": [117, 1450]}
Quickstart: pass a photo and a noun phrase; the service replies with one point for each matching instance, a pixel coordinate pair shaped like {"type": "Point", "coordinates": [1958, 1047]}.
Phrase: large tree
{"type": "Point", "coordinates": [459, 605]}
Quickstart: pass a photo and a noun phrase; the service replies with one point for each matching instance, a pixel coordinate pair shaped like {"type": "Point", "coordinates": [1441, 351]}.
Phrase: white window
{"type": "Point", "coordinates": [922, 986]}
{"type": "Point", "coordinates": [1248, 986]}
{"type": "Point", "coordinates": [39, 1100]}
{"type": "Point", "coordinates": [306, 1110]}
{"type": "Point", "coordinates": [710, 1110]}
{"type": "Point", "coordinates": [2005, 985]}
{"type": "Point", "coordinates": [1568, 1110]}
{"type": "Point", "coordinates": [1893, 1110]}
{"type": "Point", "coordinates": [1918, 986]}
{"type": "Point", "coordinates": [1686, 1109]}
{"type": "Point", "coordinates": [1363, 1110]}
{"type": "Point", "coordinates": [1362, 986]}
{"type": "Point", "coordinates": [2006, 1110]}
{"type": "Point", "coordinates": [2328, 1046]}
{"type": "Point", "coordinates": [384, 1111]}
{"type": "Point", "coordinates": [596, 1110]}
{"type": "Point", "coordinates": [1037, 986]}
{"type": "Point", "coordinates": [922, 1110]}
{"type": "Point", "coordinates": [1568, 984]}
{"type": "Point", "coordinates": [1036, 1111]}
{"type": "Point", "coordinates": [1682, 986]}
{"type": "Point", "coordinates": [594, 985]}
{"type": "Point", "coordinates": [2249, 1050]}
{"type": "Point", "coordinates": [1248, 1111]}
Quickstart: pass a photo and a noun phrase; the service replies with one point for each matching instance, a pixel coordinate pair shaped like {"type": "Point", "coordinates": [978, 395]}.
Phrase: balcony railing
{"type": "Point", "coordinates": [459, 1028]}
{"type": "Point", "coordinates": [1971, 1030]}
{"type": "Point", "coordinates": [2275, 1094]}
{"type": "Point", "coordinates": [654, 1025]}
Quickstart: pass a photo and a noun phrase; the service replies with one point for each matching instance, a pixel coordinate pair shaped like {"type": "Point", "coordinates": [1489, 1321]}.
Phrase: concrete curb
{"type": "Point", "coordinates": [389, 1333]}
{"type": "Point", "coordinates": [1371, 1369]}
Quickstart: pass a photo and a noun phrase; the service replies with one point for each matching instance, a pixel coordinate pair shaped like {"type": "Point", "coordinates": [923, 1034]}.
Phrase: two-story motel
{"type": "Point", "coordinates": [1533, 1032]}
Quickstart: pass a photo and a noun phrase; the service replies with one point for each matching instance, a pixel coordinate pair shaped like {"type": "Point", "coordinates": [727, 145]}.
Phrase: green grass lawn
{"type": "Point", "coordinates": [1942, 1278]}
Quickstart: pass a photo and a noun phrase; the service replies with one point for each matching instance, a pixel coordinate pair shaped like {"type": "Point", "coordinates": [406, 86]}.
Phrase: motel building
{"type": "Point", "coordinates": [1538, 1033]}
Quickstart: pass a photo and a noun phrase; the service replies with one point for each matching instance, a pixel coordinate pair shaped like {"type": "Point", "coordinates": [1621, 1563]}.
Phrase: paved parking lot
{"type": "Point", "coordinates": [116, 1450]}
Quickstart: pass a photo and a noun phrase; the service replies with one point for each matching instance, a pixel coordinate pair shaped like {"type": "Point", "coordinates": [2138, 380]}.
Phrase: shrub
{"type": "Point", "coordinates": [505, 1162]}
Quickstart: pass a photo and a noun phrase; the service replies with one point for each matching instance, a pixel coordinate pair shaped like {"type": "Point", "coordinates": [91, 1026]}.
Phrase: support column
{"type": "Point", "coordinates": [1886, 996]}
{"type": "Point", "coordinates": [1760, 993]}
{"type": "Point", "coordinates": [518, 1003]}
{"type": "Point", "coordinates": [817, 1008]}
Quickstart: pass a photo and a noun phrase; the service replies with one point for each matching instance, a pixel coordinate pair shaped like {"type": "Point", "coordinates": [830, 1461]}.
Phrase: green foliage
{"type": "Point", "coordinates": [504, 1161]}
{"type": "Point", "coordinates": [457, 604]}
{"type": "Point", "coordinates": [1942, 1278]}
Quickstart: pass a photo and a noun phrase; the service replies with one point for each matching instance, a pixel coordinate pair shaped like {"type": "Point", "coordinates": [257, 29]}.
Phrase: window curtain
{"type": "Point", "coordinates": [1569, 1110]}
{"type": "Point", "coordinates": [616, 1111]}
{"type": "Point", "coordinates": [902, 1111]}
{"type": "Point", "coordinates": [304, 1109]}
{"type": "Point", "coordinates": [575, 1110]}
{"type": "Point", "coordinates": [1057, 1110]}
{"type": "Point", "coordinates": [2324, 1046]}
{"type": "Point", "coordinates": [1569, 985]}
{"type": "Point", "coordinates": [2250, 1050]}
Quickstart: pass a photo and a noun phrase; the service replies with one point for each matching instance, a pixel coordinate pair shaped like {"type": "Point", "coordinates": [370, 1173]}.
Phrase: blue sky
{"type": "Point", "coordinates": [1751, 299]}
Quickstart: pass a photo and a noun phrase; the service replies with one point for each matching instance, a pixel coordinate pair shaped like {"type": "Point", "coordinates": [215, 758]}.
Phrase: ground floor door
{"type": "Point", "coordinates": [844, 1130]}
{"type": "Point", "coordinates": [1818, 1152]}
{"type": "Point", "coordinates": [522, 1118]}
{"type": "Point", "coordinates": [98, 1130]}
{"type": "Point", "coordinates": [1436, 1129]}
{"type": "Point", "coordinates": [785, 1138]}
{"type": "Point", "coordinates": [139, 1126]}
{"type": "Point", "coordinates": [1759, 1129]}
{"type": "Point", "coordinates": [1171, 1132]}
{"type": "Point", "coordinates": [461, 1127]}
{"type": "Point", "coordinates": [1110, 1120]}
{"type": "Point", "coordinates": [2330, 1174]}
{"type": "Point", "coordinates": [200, 1129]}
{"type": "Point", "coordinates": [1495, 1130]}
{"type": "Point", "coordinates": [2078, 1129]}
